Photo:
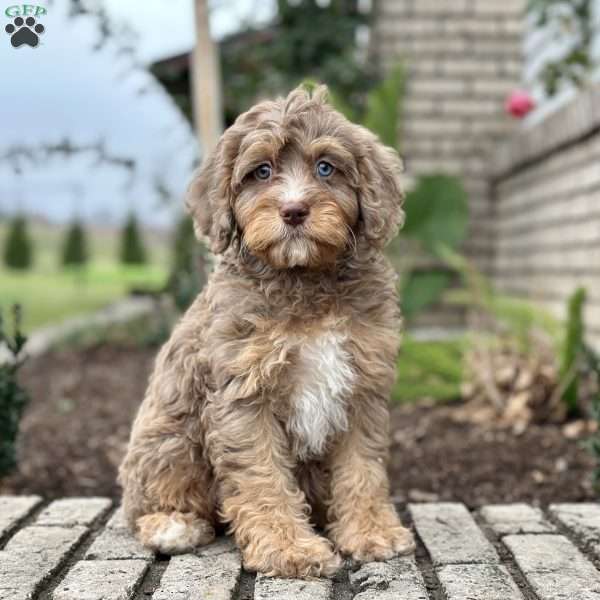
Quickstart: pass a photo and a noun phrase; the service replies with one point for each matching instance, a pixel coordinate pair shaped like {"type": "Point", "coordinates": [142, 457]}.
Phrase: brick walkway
{"type": "Point", "coordinates": [79, 549]}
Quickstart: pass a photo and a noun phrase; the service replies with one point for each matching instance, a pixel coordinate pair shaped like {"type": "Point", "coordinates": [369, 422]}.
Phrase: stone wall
{"type": "Point", "coordinates": [463, 57]}
{"type": "Point", "coordinates": [546, 209]}
{"type": "Point", "coordinates": [534, 189]}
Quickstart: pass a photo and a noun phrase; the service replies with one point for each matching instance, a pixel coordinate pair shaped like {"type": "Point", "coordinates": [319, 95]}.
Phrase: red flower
{"type": "Point", "coordinates": [519, 104]}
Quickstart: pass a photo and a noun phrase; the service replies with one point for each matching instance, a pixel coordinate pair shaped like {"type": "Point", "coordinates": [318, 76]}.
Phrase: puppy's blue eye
{"type": "Point", "coordinates": [324, 169]}
{"type": "Point", "coordinates": [263, 172]}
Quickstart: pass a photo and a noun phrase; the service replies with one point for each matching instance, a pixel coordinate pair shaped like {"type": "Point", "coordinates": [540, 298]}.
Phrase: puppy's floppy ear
{"type": "Point", "coordinates": [208, 200]}
{"type": "Point", "coordinates": [380, 193]}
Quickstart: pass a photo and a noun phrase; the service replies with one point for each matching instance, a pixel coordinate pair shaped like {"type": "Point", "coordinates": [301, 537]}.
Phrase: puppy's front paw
{"type": "Point", "coordinates": [372, 537]}
{"type": "Point", "coordinates": [273, 556]}
{"type": "Point", "coordinates": [377, 544]}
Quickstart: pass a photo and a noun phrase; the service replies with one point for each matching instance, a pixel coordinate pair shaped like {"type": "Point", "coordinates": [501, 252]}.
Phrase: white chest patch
{"type": "Point", "coordinates": [324, 379]}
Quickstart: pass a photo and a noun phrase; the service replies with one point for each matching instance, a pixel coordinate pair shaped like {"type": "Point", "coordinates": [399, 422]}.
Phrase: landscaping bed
{"type": "Point", "coordinates": [83, 401]}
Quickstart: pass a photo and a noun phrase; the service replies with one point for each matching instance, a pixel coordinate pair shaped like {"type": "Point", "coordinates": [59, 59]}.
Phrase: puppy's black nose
{"type": "Point", "coordinates": [294, 213]}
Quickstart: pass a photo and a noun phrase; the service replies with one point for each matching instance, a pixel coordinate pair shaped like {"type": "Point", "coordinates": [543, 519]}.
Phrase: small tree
{"type": "Point", "coordinates": [188, 273]}
{"type": "Point", "coordinates": [75, 249]}
{"type": "Point", "coordinates": [184, 243]}
{"type": "Point", "coordinates": [132, 246]}
{"type": "Point", "coordinates": [307, 39]}
{"type": "Point", "coordinates": [13, 398]}
{"type": "Point", "coordinates": [18, 249]}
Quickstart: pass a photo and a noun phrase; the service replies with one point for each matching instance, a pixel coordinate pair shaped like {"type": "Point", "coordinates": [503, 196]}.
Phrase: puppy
{"type": "Point", "coordinates": [267, 409]}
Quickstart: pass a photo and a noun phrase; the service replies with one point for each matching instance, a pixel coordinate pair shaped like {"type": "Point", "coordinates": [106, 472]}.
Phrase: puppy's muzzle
{"type": "Point", "coordinates": [294, 213]}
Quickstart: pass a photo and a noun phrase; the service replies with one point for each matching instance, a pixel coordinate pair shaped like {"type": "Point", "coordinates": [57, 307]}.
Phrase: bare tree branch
{"type": "Point", "coordinates": [18, 155]}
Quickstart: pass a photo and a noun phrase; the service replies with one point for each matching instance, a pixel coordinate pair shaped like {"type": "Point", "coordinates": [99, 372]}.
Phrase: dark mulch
{"type": "Point", "coordinates": [434, 457]}
{"type": "Point", "coordinates": [83, 401]}
{"type": "Point", "coordinates": [76, 427]}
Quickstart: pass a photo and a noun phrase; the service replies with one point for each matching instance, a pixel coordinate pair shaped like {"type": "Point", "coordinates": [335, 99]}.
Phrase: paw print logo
{"type": "Point", "coordinates": [24, 31]}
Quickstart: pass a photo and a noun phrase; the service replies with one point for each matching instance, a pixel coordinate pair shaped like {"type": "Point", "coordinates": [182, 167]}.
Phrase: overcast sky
{"type": "Point", "coordinates": [65, 89]}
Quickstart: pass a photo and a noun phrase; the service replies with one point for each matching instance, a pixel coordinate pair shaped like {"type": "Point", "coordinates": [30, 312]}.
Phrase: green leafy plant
{"type": "Point", "coordinates": [423, 288]}
{"type": "Point", "coordinates": [437, 215]}
{"type": "Point", "coordinates": [573, 351]}
{"type": "Point", "coordinates": [132, 246]}
{"type": "Point", "coordinates": [13, 397]}
{"type": "Point", "coordinates": [18, 248]}
{"type": "Point", "coordinates": [571, 20]}
{"type": "Point", "coordinates": [592, 360]}
{"type": "Point", "coordinates": [75, 249]}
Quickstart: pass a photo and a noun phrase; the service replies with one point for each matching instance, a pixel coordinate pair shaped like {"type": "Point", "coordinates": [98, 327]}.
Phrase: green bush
{"type": "Point", "coordinates": [132, 246]}
{"type": "Point", "coordinates": [592, 359]}
{"type": "Point", "coordinates": [429, 370]}
{"type": "Point", "coordinates": [18, 248]}
{"type": "Point", "coordinates": [75, 249]}
{"type": "Point", "coordinates": [12, 397]}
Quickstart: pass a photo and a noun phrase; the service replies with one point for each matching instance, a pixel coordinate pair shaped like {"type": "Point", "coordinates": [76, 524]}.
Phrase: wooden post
{"type": "Point", "coordinates": [206, 82]}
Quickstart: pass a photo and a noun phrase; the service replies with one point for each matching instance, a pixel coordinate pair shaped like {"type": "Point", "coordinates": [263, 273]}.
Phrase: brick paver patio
{"type": "Point", "coordinates": [79, 549]}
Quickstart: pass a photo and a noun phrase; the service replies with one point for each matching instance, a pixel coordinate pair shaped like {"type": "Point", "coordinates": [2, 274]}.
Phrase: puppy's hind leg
{"type": "Point", "coordinates": [168, 486]}
{"type": "Point", "coordinates": [168, 493]}
{"type": "Point", "coordinates": [174, 532]}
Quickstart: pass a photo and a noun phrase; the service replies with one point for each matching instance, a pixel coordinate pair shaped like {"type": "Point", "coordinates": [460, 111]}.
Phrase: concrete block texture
{"type": "Point", "coordinates": [499, 552]}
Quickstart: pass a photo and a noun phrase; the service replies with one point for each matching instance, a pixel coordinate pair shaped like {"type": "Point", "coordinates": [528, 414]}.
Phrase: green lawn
{"type": "Point", "coordinates": [48, 293]}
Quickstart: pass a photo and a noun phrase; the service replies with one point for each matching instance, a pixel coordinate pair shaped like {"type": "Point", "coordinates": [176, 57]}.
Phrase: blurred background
{"type": "Point", "coordinates": [494, 106]}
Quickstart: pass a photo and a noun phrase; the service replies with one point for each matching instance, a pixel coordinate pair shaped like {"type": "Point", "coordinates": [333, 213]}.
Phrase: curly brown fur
{"type": "Point", "coordinates": [267, 408]}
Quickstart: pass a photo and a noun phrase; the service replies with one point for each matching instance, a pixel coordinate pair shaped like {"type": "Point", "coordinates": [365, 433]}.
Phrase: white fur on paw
{"type": "Point", "coordinates": [175, 536]}
{"type": "Point", "coordinates": [405, 544]}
